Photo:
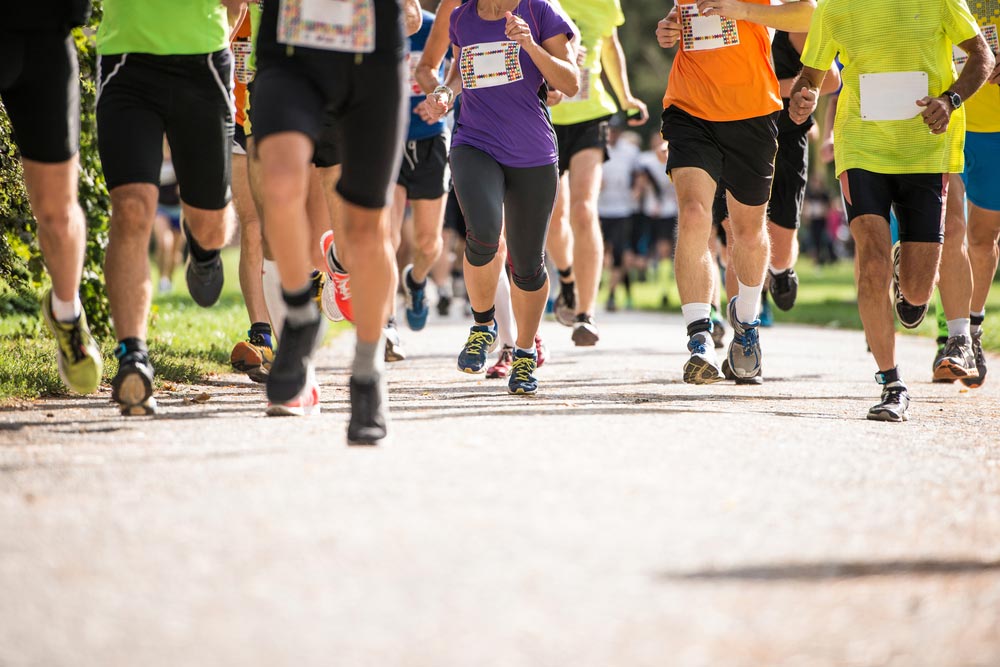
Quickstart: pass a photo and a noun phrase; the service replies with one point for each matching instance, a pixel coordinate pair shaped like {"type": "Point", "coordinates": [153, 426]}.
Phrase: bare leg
{"type": "Point", "coordinates": [956, 272]}
{"type": "Point", "coordinates": [984, 231]}
{"type": "Point", "coordinates": [585, 170]}
{"type": "Point", "coordinates": [873, 243]}
{"type": "Point", "coordinates": [126, 264]}
{"type": "Point", "coordinates": [251, 242]}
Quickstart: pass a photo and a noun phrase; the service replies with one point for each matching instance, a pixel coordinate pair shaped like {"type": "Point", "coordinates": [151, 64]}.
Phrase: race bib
{"type": "Point", "coordinates": [960, 57]}
{"type": "Point", "coordinates": [490, 64]}
{"type": "Point", "coordinates": [241, 56]}
{"type": "Point", "coordinates": [584, 92]}
{"type": "Point", "coordinates": [705, 33]}
{"type": "Point", "coordinates": [331, 25]}
{"type": "Point", "coordinates": [414, 60]}
{"type": "Point", "coordinates": [892, 95]}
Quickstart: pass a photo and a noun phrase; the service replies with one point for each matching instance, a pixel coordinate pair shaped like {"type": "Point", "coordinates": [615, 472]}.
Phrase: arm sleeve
{"type": "Point", "coordinates": [959, 23]}
{"type": "Point", "coordinates": [548, 22]}
{"type": "Point", "coordinates": [820, 48]}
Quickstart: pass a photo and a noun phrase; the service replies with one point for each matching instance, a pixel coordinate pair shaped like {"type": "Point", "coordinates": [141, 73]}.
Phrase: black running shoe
{"type": "Point", "coordinates": [205, 276]}
{"type": "Point", "coordinates": [565, 308]}
{"type": "Point", "coordinates": [368, 406]}
{"type": "Point", "coordinates": [289, 370]}
{"type": "Point", "coordinates": [894, 405]}
{"type": "Point", "coordinates": [444, 305]}
{"type": "Point", "coordinates": [941, 340]}
{"type": "Point", "coordinates": [977, 351]}
{"type": "Point", "coordinates": [132, 387]}
{"type": "Point", "coordinates": [585, 332]}
{"type": "Point", "coordinates": [909, 316]}
{"type": "Point", "coordinates": [784, 287]}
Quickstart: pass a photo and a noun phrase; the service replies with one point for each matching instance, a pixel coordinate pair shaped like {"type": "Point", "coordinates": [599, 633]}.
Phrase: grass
{"type": "Point", "coordinates": [187, 343]}
{"type": "Point", "coordinates": [827, 297]}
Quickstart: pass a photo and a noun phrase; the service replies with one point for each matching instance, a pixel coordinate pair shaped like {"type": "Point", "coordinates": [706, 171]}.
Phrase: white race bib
{"type": "Point", "coordinates": [584, 93]}
{"type": "Point", "coordinates": [892, 95]}
{"type": "Point", "coordinates": [332, 25]}
{"type": "Point", "coordinates": [414, 60]}
{"type": "Point", "coordinates": [704, 33]}
{"type": "Point", "coordinates": [241, 56]}
{"type": "Point", "coordinates": [490, 64]}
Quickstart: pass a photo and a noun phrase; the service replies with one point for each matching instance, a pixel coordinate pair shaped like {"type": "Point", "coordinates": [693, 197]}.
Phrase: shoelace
{"type": "Point", "coordinates": [477, 341]}
{"type": "Point", "coordinates": [748, 340]}
{"type": "Point", "coordinates": [76, 348]}
{"type": "Point", "coordinates": [522, 368]}
{"type": "Point", "coordinates": [697, 346]}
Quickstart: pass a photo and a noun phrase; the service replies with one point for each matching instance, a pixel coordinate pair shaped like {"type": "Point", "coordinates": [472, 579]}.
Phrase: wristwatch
{"type": "Point", "coordinates": [954, 98]}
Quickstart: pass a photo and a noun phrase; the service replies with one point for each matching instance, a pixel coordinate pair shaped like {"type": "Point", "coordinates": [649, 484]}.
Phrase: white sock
{"type": "Point", "coordinates": [959, 327]}
{"type": "Point", "coordinates": [775, 271]}
{"type": "Point", "coordinates": [66, 311]}
{"type": "Point", "coordinates": [695, 312]}
{"type": "Point", "coordinates": [976, 328]}
{"type": "Point", "coordinates": [504, 312]}
{"type": "Point", "coordinates": [523, 351]}
{"type": "Point", "coordinates": [276, 307]}
{"type": "Point", "coordinates": [748, 302]}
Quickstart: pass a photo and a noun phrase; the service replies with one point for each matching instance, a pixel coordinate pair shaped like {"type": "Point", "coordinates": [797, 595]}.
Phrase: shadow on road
{"type": "Point", "coordinates": [836, 570]}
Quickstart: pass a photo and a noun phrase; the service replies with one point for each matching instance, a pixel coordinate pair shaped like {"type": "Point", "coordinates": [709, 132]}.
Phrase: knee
{"type": "Point", "coordinates": [132, 213]}
{"type": "Point", "coordinates": [532, 280]}
{"type": "Point", "coordinates": [583, 216]}
{"type": "Point", "coordinates": [481, 252]}
{"type": "Point", "coordinates": [429, 245]}
{"type": "Point", "coordinates": [365, 234]}
{"type": "Point", "coordinates": [283, 186]}
{"type": "Point", "coordinates": [954, 233]}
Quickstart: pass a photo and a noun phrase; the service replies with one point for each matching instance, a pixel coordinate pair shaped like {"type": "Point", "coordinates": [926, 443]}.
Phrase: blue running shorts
{"type": "Point", "coordinates": [982, 169]}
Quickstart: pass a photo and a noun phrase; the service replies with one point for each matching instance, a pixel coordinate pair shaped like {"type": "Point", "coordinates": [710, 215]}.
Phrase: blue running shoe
{"type": "Point", "coordinates": [744, 351]}
{"type": "Point", "coordinates": [482, 340]}
{"type": "Point", "coordinates": [702, 367]}
{"type": "Point", "coordinates": [521, 379]}
{"type": "Point", "coordinates": [416, 300]}
{"type": "Point", "coordinates": [766, 314]}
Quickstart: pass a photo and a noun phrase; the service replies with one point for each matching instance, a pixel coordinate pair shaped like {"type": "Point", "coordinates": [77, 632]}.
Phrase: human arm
{"type": "Point", "coordinates": [235, 9]}
{"type": "Point", "coordinates": [805, 94]}
{"type": "Point", "coordinates": [937, 110]}
{"type": "Point", "coordinates": [436, 47]}
{"type": "Point", "coordinates": [412, 16]}
{"type": "Point", "coordinates": [441, 99]}
{"type": "Point", "coordinates": [831, 83]}
{"type": "Point", "coordinates": [668, 30]}
{"type": "Point", "coordinates": [613, 60]}
{"type": "Point", "coordinates": [554, 57]}
{"type": "Point", "coordinates": [826, 136]}
{"type": "Point", "coordinates": [791, 17]}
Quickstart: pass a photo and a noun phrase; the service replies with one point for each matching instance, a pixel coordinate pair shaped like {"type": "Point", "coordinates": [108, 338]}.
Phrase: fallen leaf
{"type": "Point", "coordinates": [201, 398]}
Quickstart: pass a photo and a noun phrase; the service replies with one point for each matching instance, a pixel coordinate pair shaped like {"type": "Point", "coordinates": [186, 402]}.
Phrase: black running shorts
{"type": "Point", "coordinates": [918, 199]}
{"type": "Point", "coordinates": [617, 234]}
{"type": "Point", "coordinates": [738, 154]}
{"type": "Point", "coordinates": [581, 136]}
{"type": "Point", "coordinates": [40, 88]}
{"type": "Point", "coordinates": [140, 97]}
{"type": "Point", "coordinates": [454, 219]}
{"type": "Point", "coordinates": [425, 173]}
{"type": "Point", "coordinates": [791, 174]}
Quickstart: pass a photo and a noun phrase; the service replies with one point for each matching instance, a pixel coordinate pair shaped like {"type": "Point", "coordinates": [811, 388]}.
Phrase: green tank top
{"type": "Point", "coordinates": [163, 27]}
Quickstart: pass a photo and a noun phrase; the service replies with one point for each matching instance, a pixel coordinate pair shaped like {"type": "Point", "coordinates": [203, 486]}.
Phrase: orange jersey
{"type": "Point", "coordinates": [722, 70]}
{"type": "Point", "coordinates": [241, 47]}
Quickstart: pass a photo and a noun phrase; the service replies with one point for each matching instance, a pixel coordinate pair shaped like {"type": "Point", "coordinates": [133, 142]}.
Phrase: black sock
{"type": "Point", "coordinates": [484, 317]}
{"type": "Point", "coordinates": [888, 377]}
{"type": "Point", "coordinates": [565, 274]}
{"type": "Point", "coordinates": [197, 251]}
{"type": "Point", "coordinates": [699, 326]}
{"type": "Point", "coordinates": [412, 284]}
{"type": "Point", "coordinates": [128, 345]}
{"type": "Point", "coordinates": [263, 328]}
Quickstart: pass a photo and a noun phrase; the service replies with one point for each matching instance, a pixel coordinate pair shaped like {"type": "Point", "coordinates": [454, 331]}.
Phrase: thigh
{"type": "Point", "coordinates": [528, 201]}
{"type": "Point", "coordinates": [479, 187]}
{"type": "Point", "coordinates": [44, 103]}
{"type": "Point", "coordinates": [692, 143]}
{"type": "Point", "coordinates": [130, 124]}
{"type": "Point", "coordinates": [749, 147]}
{"type": "Point", "coordinates": [920, 207]}
{"type": "Point", "coordinates": [585, 170]}
{"type": "Point", "coordinates": [284, 99]}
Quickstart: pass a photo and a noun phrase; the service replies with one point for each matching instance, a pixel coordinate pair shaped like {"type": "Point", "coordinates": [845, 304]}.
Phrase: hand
{"type": "Point", "coordinates": [553, 97]}
{"type": "Point", "coordinates": [936, 113]}
{"type": "Point", "coordinates": [643, 116]}
{"type": "Point", "coordinates": [426, 113]}
{"type": "Point", "coordinates": [518, 31]}
{"type": "Point", "coordinates": [435, 108]}
{"type": "Point", "coordinates": [826, 151]}
{"type": "Point", "coordinates": [802, 104]}
{"type": "Point", "coordinates": [731, 9]}
{"type": "Point", "coordinates": [581, 55]}
{"type": "Point", "coordinates": [668, 30]}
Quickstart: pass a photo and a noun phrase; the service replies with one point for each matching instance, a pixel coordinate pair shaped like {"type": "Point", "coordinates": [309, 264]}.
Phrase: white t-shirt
{"type": "Point", "coordinates": [664, 204]}
{"type": "Point", "coordinates": [616, 186]}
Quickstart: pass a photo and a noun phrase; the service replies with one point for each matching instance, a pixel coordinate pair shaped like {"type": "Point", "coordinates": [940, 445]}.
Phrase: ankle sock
{"type": "Point", "coordinates": [485, 317]}
{"type": "Point", "coordinates": [976, 321]}
{"type": "Point", "coordinates": [66, 312]}
{"type": "Point", "coordinates": [748, 302]}
{"type": "Point", "coordinates": [369, 360]}
{"type": "Point", "coordinates": [959, 327]}
{"type": "Point", "coordinates": [302, 309]}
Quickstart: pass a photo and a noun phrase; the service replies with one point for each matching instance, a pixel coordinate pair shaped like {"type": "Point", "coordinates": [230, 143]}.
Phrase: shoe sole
{"type": "Point", "coordinates": [521, 392]}
{"type": "Point", "coordinates": [949, 371]}
{"type": "Point", "coordinates": [973, 382]}
{"type": "Point", "coordinates": [583, 338]}
{"type": "Point", "coordinates": [287, 411]}
{"type": "Point", "coordinates": [472, 371]}
{"type": "Point", "coordinates": [135, 397]}
{"type": "Point", "coordinates": [394, 357]}
{"type": "Point", "coordinates": [701, 372]}
{"type": "Point", "coordinates": [565, 318]}
{"type": "Point", "coordinates": [885, 416]}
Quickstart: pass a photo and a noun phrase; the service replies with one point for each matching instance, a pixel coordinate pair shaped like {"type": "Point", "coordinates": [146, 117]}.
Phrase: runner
{"type": "Point", "coordinates": [164, 67]}
{"type": "Point", "coordinates": [575, 240]}
{"type": "Point", "coordinates": [885, 155]}
{"type": "Point", "coordinates": [310, 67]}
{"type": "Point", "coordinates": [504, 161]}
{"type": "Point", "coordinates": [720, 112]}
{"type": "Point", "coordinates": [966, 278]}
{"type": "Point", "coordinates": [616, 206]}
{"type": "Point", "coordinates": [40, 89]}
{"type": "Point", "coordinates": [657, 209]}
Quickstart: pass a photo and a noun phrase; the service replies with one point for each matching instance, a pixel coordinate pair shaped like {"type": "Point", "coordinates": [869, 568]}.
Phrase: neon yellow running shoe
{"type": "Point", "coordinates": [80, 362]}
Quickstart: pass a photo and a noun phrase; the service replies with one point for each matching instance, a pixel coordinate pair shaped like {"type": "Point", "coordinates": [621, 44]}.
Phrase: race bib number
{"type": "Point", "coordinates": [584, 93]}
{"type": "Point", "coordinates": [960, 57]}
{"type": "Point", "coordinates": [705, 33]}
{"type": "Point", "coordinates": [241, 57]}
{"type": "Point", "coordinates": [332, 25]}
{"type": "Point", "coordinates": [490, 64]}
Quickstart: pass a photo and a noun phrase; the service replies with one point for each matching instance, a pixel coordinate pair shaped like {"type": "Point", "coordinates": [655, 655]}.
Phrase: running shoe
{"type": "Point", "coordinates": [482, 340]}
{"type": "Point", "coordinates": [727, 372]}
{"type": "Point", "coordinates": [703, 366]}
{"type": "Point", "coordinates": [204, 276]}
{"type": "Point", "coordinates": [909, 316]}
{"type": "Point", "coordinates": [290, 369]}
{"type": "Point", "coordinates": [718, 333]}
{"type": "Point", "coordinates": [368, 412]}
{"type": "Point", "coordinates": [341, 281]}
{"type": "Point", "coordinates": [744, 350]}
{"type": "Point", "coordinates": [766, 314]}
{"type": "Point", "coordinates": [977, 351]}
{"type": "Point", "coordinates": [521, 379]}
{"type": "Point", "coordinates": [957, 360]}
{"type": "Point", "coordinates": [541, 350]}
{"type": "Point", "coordinates": [303, 405]}
{"type": "Point", "coordinates": [941, 340]}
{"type": "Point", "coordinates": [132, 387]}
{"type": "Point", "coordinates": [78, 356]}
{"type": "Point", "coordinates": [253, 356]}
{"type": "Point", "coordinates": [417, 309]}
{"type": "Point", "coordinates": [784, 288]}
{"type": "Point", "coordinates": [328, 302]}
{"type": "Point", "coordinates": [444, 305]}
{"type": "Point", "coordinates": [393, 345]}
{"type": "Point", "coordinates": [894, 405]}
{"type": "Point", "coordinates": [565, 306]}
{"type": "Point", "coordinates": [585, 331]}
{"type": "Point", "coordinates": [502, 366]}
{"type": "Point", "coordinates": [611, 306]}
